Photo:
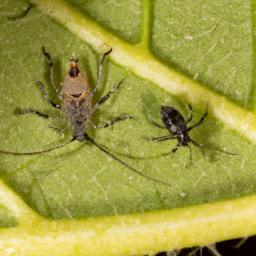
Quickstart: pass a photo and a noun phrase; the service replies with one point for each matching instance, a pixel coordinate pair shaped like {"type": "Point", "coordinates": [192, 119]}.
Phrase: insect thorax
{"type": "Point", "coordinates": [77, 100]}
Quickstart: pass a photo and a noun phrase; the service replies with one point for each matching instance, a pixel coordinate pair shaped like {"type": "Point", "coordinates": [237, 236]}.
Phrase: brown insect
{"type": "Point", "coordinates": [77, 97]}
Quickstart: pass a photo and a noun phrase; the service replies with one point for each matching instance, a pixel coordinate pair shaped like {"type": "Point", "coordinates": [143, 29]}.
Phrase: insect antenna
{"type": "Point", "coordinates": [126, 165]}
{"type": "Point", "coordinates": [202, 146]}
{"type": "Point", "coordinates": [36, 152]}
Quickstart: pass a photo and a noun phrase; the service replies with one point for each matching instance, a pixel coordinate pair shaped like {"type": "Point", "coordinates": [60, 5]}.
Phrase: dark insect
{"type": "Point", "coordinates": [175, 123]}
{"type": "Point", "coordinates": [77, 98]}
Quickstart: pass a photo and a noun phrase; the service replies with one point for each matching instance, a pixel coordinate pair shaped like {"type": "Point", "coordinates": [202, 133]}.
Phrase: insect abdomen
{"type": "Point", "coordinates": [172, 119]}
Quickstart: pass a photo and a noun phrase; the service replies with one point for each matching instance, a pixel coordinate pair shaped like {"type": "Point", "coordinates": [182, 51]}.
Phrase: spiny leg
{"type": "Point", "coordinates": [126, 165]}
{"type": "Point", "coordinates": [160, 139]}
{"type": "Point", "coordinates": [111, 122]}
{"type": "Point", "coordinates": [100, 70]}
{"type": "Point", "coordinates": [32, 111]}
{"type": "Point", "coordinates": [106, 96]}
{"type": "Point", "coordinates": [191, 114]}
{"type": "Point", "coordinates": [202, 146]}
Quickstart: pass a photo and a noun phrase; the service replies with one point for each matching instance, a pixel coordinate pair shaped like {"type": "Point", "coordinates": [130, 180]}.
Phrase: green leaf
{"type": "Point", "coordinates": [77, 199]}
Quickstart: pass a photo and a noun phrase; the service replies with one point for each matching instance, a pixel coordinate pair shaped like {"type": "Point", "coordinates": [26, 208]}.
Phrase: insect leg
{"type": "Point", "coordinates": [36, 152]}
{"type": "Point", "coordinates": [202, 146]}
{"type": "Point", "coordinates": [106, 96]}
{"type": "Point", "coordinates": [100, 70]}
{"type": "Point", "coordinates": [126, 165]}
{"type": "Point", "coordinates": [177, 147]}
{"type": "Point", "coordinates": [159, 126]}
{"type": "Point", "coordinates": [190, 153]}
{"type": "Point", "coordinates": [111, 122]}
{"type": "Point", "coordinates": [32, 111]}
{"type": "Point", "coordinates": [191, 113]}
{"type": "Point", "coordinates": [162, 138]}
{"type": "Point", "coordinates": [46, 95]}
{"type": "Point", "coordinates": [201, 120]}
{"type": "Point", "coordinates": [52, 78]}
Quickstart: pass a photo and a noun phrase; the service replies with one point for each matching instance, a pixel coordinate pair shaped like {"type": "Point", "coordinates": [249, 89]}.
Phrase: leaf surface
{"type": "Point", "coordinates": [169, 53]}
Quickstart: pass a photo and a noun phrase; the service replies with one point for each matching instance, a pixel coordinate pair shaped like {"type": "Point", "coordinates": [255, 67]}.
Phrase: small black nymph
{"type": "Point", "coordinates": [175, 123]}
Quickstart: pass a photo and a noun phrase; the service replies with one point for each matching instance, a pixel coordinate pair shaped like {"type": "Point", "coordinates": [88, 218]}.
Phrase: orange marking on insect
{"type": "Point", "coordinates": [84, 95]}
{"type": "Point", "coordinates": [79, 98]}
{"type": "Point", "coordinates": [85, 80]}
{"type": "Point", "coordinates": [73, 65]}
